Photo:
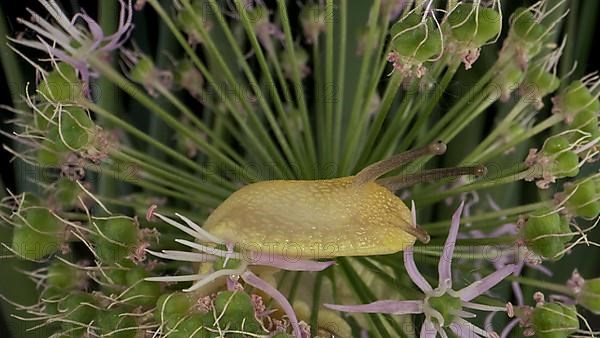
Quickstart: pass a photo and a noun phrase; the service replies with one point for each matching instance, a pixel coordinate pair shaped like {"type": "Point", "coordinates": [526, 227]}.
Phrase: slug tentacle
{"type": "Point", "coordinates": [377, 169]}
{"type": "Point", "coordinates": [396, 183]}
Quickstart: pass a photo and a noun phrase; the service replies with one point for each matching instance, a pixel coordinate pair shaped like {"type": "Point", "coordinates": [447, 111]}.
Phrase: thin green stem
{"type": "Point", "coordinates": [262, 62]}
{"type": "Point", "coordinates": [541, 284]}
{"type": "Point", "coordinates": [343, 37]}
{"type": "Point", "coordinates": [491, 215]}
{"type": "Point", "coordinates": [355, 124]}
{"type": "Point", "coordinates": [299, 90]}
{"type": "Point", "coordinates": [479, 185]}
{"type": "Point", "coordinates": [316, 304]}
{"type": "Point", "coordinates": [433, 103]}
{"type": "Point", "coordinates": [329, 84]}
{"type": "Point", "coordinates": [258, 141]}
{"type": "Point", "coordinates": [492, 152]}
{"type": "Point", "coordinates": [173, 122]}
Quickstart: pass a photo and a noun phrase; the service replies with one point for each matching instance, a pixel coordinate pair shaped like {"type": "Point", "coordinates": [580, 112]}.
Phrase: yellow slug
{"type": "Point", "coordinates": [348, 216]}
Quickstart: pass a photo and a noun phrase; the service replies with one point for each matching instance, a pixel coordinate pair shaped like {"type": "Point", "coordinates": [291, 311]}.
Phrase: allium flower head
{"type": "Point", "coordinates": [442, 306]}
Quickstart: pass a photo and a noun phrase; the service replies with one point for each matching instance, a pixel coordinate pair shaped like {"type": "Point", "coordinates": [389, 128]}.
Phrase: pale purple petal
{"type": "Point", "coordinates": [541, 269]}
{"type": "Point", "coordinates": [394, 307]}
{"type": "Point", "coordinates": [463, 331]}
{"type": "Point", "coordinates": [288, 264]}
{"type": "Point", "coordinates": [516, 286]}
{"type": "Point", "coordinates": [428, 330]}
{"type": "Point", "coordinates": [267, 288]}
{"type": "Point", "coordinates": [413, 272]}
{"type": "Point", "coordinates": [481, 286]}
{"type": "Point", "coordinates": [445, 264]}
{"type": "Point", "coordinates": [506, 331]}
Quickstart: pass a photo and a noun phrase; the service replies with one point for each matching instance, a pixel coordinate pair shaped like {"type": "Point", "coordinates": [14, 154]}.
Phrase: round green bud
{"type": "Point", "coordinates": [589, 297]}
{"type": "Point", "coordinates": [41, 235]}
{"type": "Point", "coordinates": [541, 234]}
{"type": "Point", "coordinates": [142, 69]}
{"type": "Point", "coordinates": [113, 323]}
{"type": "Point", "coordinates": [78, 308]}
{"type": "Point", "coordinates": [540, 81]}
{"type": "Point", "coordinates": [61, 84]}
{"type": "Point", "coordinates": [587, 121]}
{"type": "Point", "coordinates": [447, 306]}
{"type": "Point", "coordinates": [50, 155]}
{"type": "Point", "coordinates": [526, 28]}
{"type": "Point", "coordinates": [509, 77]}
{"type": "Point", "coordinates": [75, 128]}
{"type": "Point", "coordinates": [584, 201]}
{"type": "Point", "coordinates": [237, 310]}
{"type": "Point", "coordinates": [63, 276]}
{"type": "Point", "coordinates": [566, 164]}
{"type": "Point", "coordinates": [66, 193]}
{"type": "Point", "coordinates": [117, 239]}
{"type": "Point", "coordinates": [555, 145]}
{"type": "Point", "coordinates": [565, 228]}
{"type": "Point", "coordinates": [141, 292]}
{"type": "Point", "coordinates": [172, 306]}
{"type": "Point", "coordinates": [555, 320]}
{"type": "Point", "coordinates": [416, 40]}
{"type": "Point", "coordinates": [472, 25]}
{"type": "Point", "coordinates": [193, 327]}
{"type": "Point", "coordinates": [577, 97]}
{"type": "Point", "coordinates": [51, 297]}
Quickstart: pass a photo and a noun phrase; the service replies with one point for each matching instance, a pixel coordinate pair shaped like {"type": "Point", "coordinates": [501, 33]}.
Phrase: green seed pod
{"type": "Point", "coordinates": [193, 327]}
{"type": "Point", "coordinates": [509, 78]}
{"type": "Point", "coordinates": [474, 25]}
{"type": "Point", "coordinates": [589, 297]}
{"type": "Point", "coordinates": [577, 97]}
{"type": "Point", "coordinates": [41, 237]}
{"type": "Point", "coordinates": [113, 323]}
{"type": "Point", "coordinates": [61, 85]}
{"type": "Point", "coordinates": [63, 276]}
{"type": "Point", "coordinates": [76, 128]}
{"type": "Point", "coordinates": [50, 155]}
{"type": "Point", "coordinates": [51, 297]}
{"type": "Point", "coordinates": [142, 69]}
{"type": "Point", "coordinates": [566, 163]}
{"type": "Point", "coordinates": [539, 82]}
{"type": "Point", "coordinates": [541, 234]}
{"type": "Point", "coordinates": [118, 239]}
{"type": "Point", "coordinates": [526, 28]}
{"type": "Point", "coordinates": [77, 308]}
{"type": "Point", "coordinates": [565, 228]}
{"type": "Point", "coordinates": [555, 320]}
{"type": "Point", "coordinates": [188, 77]}
{"type": "Point", "coordinates": [172, 307]}
{"type": "Point", "coordinates": [312, 18]}
{"type": "Point", "coordinates": [447, 306]}
{"type": "Point", "coordinates": [238, 312]}
{"type": "Point", "coordinates": [583, 202]}
{"type": "Point", "coordinates": [141, 292]}
{"type": "Point", "coordinates": [555, 145]}
{"type": "Point", "coordinates": [66, 193]}
{"type": "Point", "coordinates": [415, 40]}
{"type": "Point", "coordinates": [587, 121]}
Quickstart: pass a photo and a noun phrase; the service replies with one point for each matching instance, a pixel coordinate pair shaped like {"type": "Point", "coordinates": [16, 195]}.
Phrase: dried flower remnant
{"type": "Point", "coordinates": [442, 306]}
{"type": "Point", "coordinates": [73, 43]}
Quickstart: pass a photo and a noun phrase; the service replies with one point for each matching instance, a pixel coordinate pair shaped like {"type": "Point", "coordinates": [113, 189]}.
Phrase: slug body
{"type": "Point", "coordinates": [314, 219]}
{"type": "Point", "coordinates": [348, 216]}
